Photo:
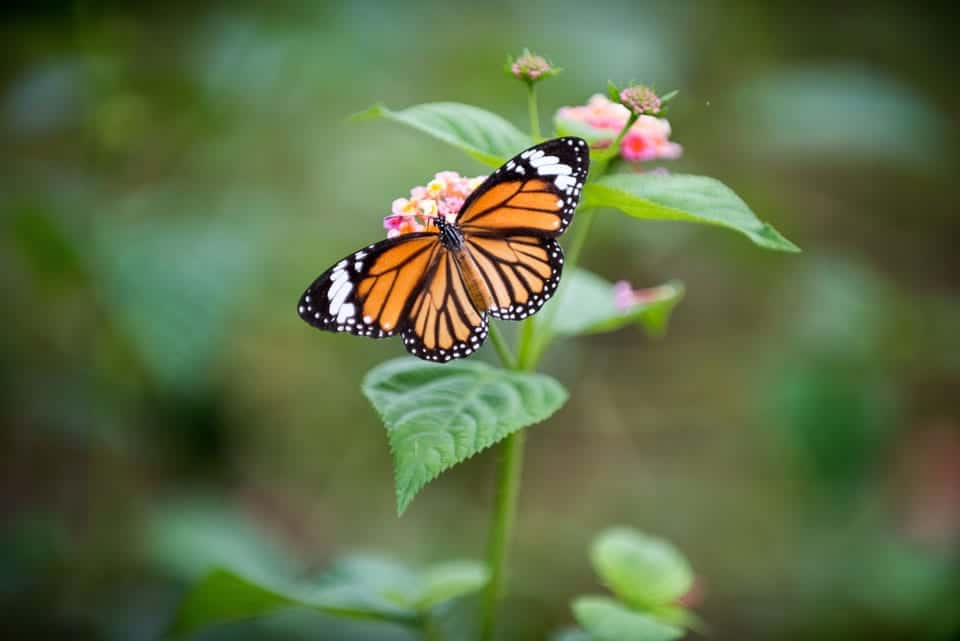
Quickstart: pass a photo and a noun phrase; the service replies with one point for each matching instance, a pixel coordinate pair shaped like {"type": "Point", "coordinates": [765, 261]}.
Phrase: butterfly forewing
{"type": "Point", "coordinates": [535, 192]}
{"type": "Point", "coordinates": [369, 292]}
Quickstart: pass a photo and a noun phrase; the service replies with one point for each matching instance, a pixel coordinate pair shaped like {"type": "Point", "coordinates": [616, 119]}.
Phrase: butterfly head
{"type": "Point", "coordinates": [450, 236]}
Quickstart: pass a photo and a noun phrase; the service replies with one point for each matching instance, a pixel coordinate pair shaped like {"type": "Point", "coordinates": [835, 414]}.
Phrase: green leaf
{"type": "Point", "coordinates": [586, 305]}
{"type": "Point", "coordinates": [449, 580]}
{"type": "Point", "coordinates": [644, 571]}
{"type": "Point", "coordinates": [483, 135]}
{"type": "Point", "coordinates": [613, 92]}
{"type": "Point", "coordinates": [224, 596]}
{"type": "Point", "coordinates": [682, 197]}
{"type": "Point", "coordinates": [670, 95]}
{"type": "Point", "coordinates": [439, 415]}
{"type": "Point", "coordinates": [681, 617]}
{"type": "Point", "coordinates": [383, 579]}
{"type": "Point", "coordinates": [188, 539]}
{"type": "Point", "coordinates": [571, 634]}
{"type": "Point", "coordinates": [401, 586]}
{"type": "Point", "coordinates": [607, 620]}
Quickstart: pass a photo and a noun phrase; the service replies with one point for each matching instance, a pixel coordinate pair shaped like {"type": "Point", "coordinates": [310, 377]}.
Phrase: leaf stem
{"type": "Point", "coordinates": [507, 359]}
{"type": "Point", "coordinates": [533, 111]}
{"type": "Point", "coordinates": [508, 487]}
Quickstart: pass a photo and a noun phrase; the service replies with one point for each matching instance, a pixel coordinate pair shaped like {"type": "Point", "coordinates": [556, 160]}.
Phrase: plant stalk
{"type": "Point", "coordinates": [508, 488]}
{"type": "Point", "coordinates": [510, 463]}
{"type": "Point", "coordinates": [503, 349]}
{"type": "Point", "coordinates": [533, 112]}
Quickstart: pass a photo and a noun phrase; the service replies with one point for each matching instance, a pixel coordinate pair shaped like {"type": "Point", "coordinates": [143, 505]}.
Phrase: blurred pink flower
{"type": "Point", "coordinates": [647, 139]}
{"type": "Point", "coordinates": [444, 195]}
{"type": "Point", "coordinates": [695, 595]}
{"type": "Point", "coordinates": [625, 297]}
{"type": "Point", "coordinates": [927, 483]}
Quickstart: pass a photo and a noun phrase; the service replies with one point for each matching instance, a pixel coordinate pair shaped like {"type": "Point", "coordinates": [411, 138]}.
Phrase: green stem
{"type": "Point", "coordinates": [533, 112]}
{"type": "Point", "coordinates": [615, 146]}
{"type": "Point", "coordinates": [602, 158]}
{"type": "Point", "coordinates": [503, 350]}
{"type": "Point", "coordinates": [510, 463]}
{"type": "Point", "coordinates": [508, 487]}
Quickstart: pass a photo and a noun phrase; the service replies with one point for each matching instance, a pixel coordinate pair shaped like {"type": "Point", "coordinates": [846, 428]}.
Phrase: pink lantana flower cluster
{"type": "Point", "coordinates": [647, 139]}
{"type": "Point", "coordinates": [442, 196]}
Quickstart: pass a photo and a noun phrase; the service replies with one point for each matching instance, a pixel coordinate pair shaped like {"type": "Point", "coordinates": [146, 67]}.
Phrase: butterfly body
{"type": "Point", "coordinates": [498, 257]}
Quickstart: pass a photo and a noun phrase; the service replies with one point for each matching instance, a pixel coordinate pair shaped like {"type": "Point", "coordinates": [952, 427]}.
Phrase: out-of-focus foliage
{"type": "Point", "coordinates": [175, 175]}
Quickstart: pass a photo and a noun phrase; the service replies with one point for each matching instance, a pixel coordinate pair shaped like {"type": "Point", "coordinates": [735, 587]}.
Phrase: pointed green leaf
{"type": "Point", "coordinates": [383, 579]}
{"type": "Point", "coordinates": [439, 415]}
{"type": "Point", "coordinates": [449, 580]}
{"type": "Point", "coordinates": [586, 305]}
{"type": "Point", "coordinates": [670, 95]}
{"type": "Point", "coordinates": [613, 92]}
{"type": "Point", "coordinates": [682, 197]}
{"type": "Point", "coordinates": [607, 620]}
{"type": "Point", "coordinates": [483, 135]}
{"type": "Point", "coordinates": [644, 571]}
{"type": "Point", "coordinates": [225, 596]}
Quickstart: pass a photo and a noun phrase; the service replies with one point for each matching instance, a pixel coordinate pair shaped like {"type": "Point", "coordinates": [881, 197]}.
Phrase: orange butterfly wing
{"type": "Point", "coordinates": [369, 292]}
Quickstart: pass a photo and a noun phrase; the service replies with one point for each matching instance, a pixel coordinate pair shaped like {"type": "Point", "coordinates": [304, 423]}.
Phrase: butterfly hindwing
{"type": "Point", "coordinates": [443, 323]}
{"type": "Point", "coordinates": [521, 272]}
{"type": "Point", "coordinates": [535, 192]}
{"type": "Point", "coordinates": [368, 292]}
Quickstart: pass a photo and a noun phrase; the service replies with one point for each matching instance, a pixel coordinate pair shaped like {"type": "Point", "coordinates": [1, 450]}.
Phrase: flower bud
{"type": "Point", "coordinates": [530, 67]}
{"type": "Point", "coordinates": [640, 100]}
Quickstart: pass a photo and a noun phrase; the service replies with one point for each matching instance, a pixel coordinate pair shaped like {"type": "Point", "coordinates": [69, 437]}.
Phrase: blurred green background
{"type": "Point", "coordinates": [175, 175]}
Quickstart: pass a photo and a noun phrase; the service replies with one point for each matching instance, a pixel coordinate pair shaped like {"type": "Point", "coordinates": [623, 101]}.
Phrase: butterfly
{"type": "Point", "coordinates": [499, 256]}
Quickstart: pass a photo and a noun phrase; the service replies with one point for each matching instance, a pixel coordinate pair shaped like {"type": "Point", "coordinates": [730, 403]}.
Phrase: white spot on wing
{"type": "Point", "coordinates": [339, 278]}
{"type": "Point", "coordinates": [346, 312]}
{"type": "Point", "coordinates": [555, 170]}
{"type": "Point", "coordinates": [540, 160]}
{"type": "Point", "coordinates": [337, 301]}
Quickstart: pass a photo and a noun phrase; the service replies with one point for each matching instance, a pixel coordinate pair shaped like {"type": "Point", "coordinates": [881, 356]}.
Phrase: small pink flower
{"type": "Point", "coordinates": [637, 147]}
{"type": "Point", "coordinates": [400, 206]}
{"type": "Point", "coordinates": [622, 295]}
{"type": "Point", "coordinates": [402, 224]}
{"type": "Point", "coordinates": [625, 297]}
{"type": "Point", "coordinates": [450, 205]}
{"type": "Point", "coordinates": [444, 196]}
